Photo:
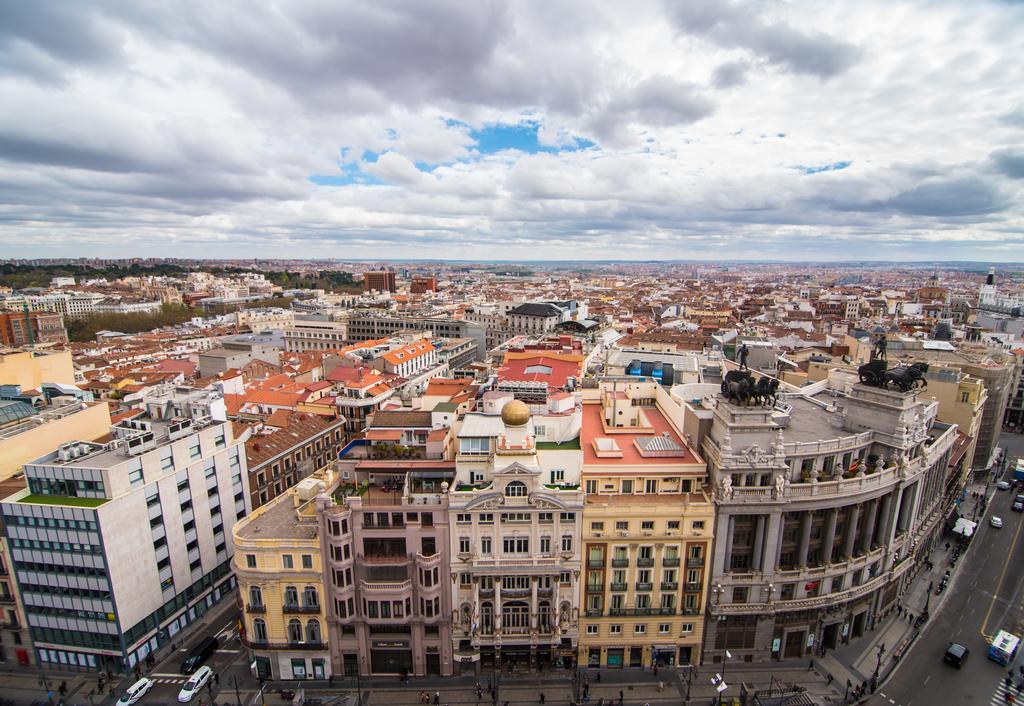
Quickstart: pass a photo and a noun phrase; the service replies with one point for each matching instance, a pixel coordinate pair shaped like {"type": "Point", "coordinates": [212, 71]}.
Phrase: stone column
{"type": "Point", "coordinates": [869, 525]}
{"type": "Point", "coordinates": [805, 539]}
{"type": "Point", "coordinates": [497, 605]}
{"type": "Point", "coordinates": [730, 525]}
{"type": "Point", "coordinates": [851, 531]}
{"type": "Point", "coordinates": [772, 538]}
{"type": "Point", "coordinates": [902, 519]}
{"type": "Point", "coordinates": [828, 539]}
{"type": "Point", "coordinates": [885, 520]}
{"type": "Point", "coordinates": [758, 543]}
{"type": "Point", "coordinates": [534, 609]}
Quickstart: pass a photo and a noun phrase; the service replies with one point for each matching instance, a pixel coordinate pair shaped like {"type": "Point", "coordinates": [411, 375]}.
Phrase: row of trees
{"type": "Point", "coordinates": [85, 328]}
{"type": "Point", "coordinates": [23, 276]}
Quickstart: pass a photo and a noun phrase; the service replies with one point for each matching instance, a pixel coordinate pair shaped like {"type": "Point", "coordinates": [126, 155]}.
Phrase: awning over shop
{"type": "Point", "coordinates": [965, 527]}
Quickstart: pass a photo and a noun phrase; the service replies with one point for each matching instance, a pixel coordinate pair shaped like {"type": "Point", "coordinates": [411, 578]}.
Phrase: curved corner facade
{"type": "Point", "coordinates": [825, 503]}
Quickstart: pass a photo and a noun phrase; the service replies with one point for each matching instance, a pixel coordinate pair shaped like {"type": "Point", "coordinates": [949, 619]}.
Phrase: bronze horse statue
{"type": "Point", "coordinates": [906, 378]}
{"type": "Point", "coordinates": [765, 390]}
{"type": "Point", "coordinates": [738, 386]}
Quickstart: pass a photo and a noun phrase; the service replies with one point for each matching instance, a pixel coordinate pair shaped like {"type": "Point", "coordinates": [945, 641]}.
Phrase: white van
{"type": "Point", "coordinates": [135, 692]}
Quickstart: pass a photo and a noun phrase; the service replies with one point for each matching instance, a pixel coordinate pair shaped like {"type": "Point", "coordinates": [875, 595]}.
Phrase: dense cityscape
{"type": "Point", "coordinates": [448, 470]}
{"type": "Point", "coordinates": [512, 353]}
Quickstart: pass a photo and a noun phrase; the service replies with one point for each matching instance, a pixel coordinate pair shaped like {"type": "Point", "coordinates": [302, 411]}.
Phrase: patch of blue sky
{"type": "Point", "coordinates": [350, 173]}
{"type": "Point", "coordinates": [833, 167]}
{"type": "Point", "coordinates": [498, 137]}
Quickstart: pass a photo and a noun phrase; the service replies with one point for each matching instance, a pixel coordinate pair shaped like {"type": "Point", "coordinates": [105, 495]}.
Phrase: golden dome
{"type": "Point", "coordinates": [515, 413]}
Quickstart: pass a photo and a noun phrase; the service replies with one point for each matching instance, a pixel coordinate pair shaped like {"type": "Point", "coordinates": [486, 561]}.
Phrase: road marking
{"type": "Point", "coordinates": [926, 680]}
{"type": "Point", "coordinates": [999, 584]}
{"type": "Point", "coordinates": [234, 652]}
{"type": "Point", "coordinates": [159, 674]}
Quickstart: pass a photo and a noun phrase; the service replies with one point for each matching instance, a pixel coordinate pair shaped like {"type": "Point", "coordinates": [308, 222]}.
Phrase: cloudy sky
{"type": "Point", "coordinates": [542, 129]}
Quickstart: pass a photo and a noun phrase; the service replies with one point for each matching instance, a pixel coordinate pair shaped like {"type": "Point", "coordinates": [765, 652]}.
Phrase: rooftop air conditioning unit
{"type": "Point", "coordinates": [623, 533]}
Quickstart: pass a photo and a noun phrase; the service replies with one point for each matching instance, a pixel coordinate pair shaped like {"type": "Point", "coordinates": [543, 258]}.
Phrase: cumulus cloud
{"type": "Point", "coordinates": [733, 25]}
{"type": "Point", "coordinates": [332, 127]}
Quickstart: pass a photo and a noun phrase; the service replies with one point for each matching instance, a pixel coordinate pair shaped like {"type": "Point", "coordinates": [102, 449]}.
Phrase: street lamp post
{"type": "Point", "coordinates": [878, 667]}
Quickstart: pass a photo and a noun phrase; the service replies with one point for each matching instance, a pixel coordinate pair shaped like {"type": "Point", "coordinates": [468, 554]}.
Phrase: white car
{"type": "Point", "coordinates": [196, 682]}
{"type": "Point", "coordinates": [996, 521]}
{"type": "Point", "coordinates": [1003, 485]}
{"type": "Point", "coordinates": [135, 692]}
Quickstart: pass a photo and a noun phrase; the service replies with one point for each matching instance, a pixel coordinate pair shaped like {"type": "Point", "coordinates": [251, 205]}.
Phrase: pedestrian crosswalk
{"type": "Point", "coordinates": [169, 680]}
{"type": "Point", "coordinates": [1002, 696]}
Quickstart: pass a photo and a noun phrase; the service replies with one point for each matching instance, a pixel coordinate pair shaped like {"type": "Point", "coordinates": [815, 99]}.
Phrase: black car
{"type": "Point", "coordinates": [199, 654]}
{"type": "Point", "coordinates": [956, 654]}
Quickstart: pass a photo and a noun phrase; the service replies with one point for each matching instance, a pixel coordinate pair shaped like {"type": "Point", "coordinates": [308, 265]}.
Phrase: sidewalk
{"type": "Point", "coordinates": [896, 632]}
{"type": "Point", "coordinates": [24, 684]}
{"type": "Point", "coordinates": [670, 687]}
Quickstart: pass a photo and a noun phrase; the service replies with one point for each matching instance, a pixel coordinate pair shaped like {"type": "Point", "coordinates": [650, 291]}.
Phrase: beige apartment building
{"type": "Point", "coordinates": [647, 531]}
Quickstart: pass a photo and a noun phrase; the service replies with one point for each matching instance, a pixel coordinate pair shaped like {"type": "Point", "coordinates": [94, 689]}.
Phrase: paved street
{"type": "Point", "coordinates": [985, 596]}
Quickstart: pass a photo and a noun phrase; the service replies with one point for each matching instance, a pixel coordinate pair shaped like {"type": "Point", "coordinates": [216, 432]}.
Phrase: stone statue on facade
{"type": "Point", "coordinates": [780, 485]}
{"type": "Point", "coordinates": [725, 487]}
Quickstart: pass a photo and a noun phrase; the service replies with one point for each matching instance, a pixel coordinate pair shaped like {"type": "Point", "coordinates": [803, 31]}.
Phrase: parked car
{"type": "Point", "coordinates": [1003, 485]}
{"type": "Point", "coordinates": [996, 521]}
{"type": "Point", "coordinates": [135, 692]}
{"type": "Point", "coordinates": [1018, 505]}
{"type": "Point", "coordinates": [196, 682]}
{"type": "Point", "coordinates": [956, 654]}
{"type": "Point", "coordinates": [199, 654]}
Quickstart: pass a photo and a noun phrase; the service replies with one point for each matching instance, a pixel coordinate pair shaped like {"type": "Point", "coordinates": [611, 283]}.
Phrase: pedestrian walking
{"type": "Point", "coordinates": [541, 697]}
{"type": "Point", "coordinates": [810, 665]}
{"type": "Point", "coordinates": [830, 677]}
{"type": "Point", "coordinates": [598, 679]}
{"type": "Point", "coordinates": [622, 697]}
{"type": "Point", "coordinates": [216, 678]}
{"type": "Point", "coordinates": [899, 610]}
{"type": "Point", "coordinates": [661, 686]}
{"type": "Point", "coordinates": [437, 698]}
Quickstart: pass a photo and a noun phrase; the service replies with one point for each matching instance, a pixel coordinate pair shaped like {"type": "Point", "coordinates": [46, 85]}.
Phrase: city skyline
{"type": "Point", "coordinates": [745, 132]}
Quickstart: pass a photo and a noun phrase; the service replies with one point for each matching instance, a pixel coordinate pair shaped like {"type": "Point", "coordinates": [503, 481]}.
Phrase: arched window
{"type": "Point", "coordinates": [291, 596]}
{"type": "Point", "coordinates": [516, 489]}
{"type": "Point", "coordinates": [294, 630]}
{"type": "Point", "coordinates": [309, 597]}
{"type": "Point", "coordinates": [313, 631]}
{"type": "Point", "coordinates": [259, 630]}
{"type": "Point", "coordinates": [255, 597]}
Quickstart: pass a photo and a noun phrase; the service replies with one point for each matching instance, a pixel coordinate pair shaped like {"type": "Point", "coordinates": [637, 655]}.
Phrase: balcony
{"type": "Point", "coordinates": [382, 526]}
{"type": "Point", "coordinates": [595, 563]}
{"type": "Point", "coordinates": [252, 608]}
{"type": "Point", "coordinates": [11, 625]}
{"type": "Point", "coordinates": [620, 586]}
{"type": "Point", "coordinates": [644, 586]}
{"type": "Point", "coordinates": [620, 563]}
{"type": "Point", "coordinates": [670, 561]}
{"type": "Point", "coordinates": [264, 645]}
{"type": "Point", "coordinates": [594, 613]}
{"type": "Point", "coordinates": [693, 586]}
{"type": "Point", "coordinates": [645, 561]}
{"type": "Point", "coordinates": [300, 609]}
{"type": "Point", "coordinates": [695, 561]}
{"type": "Point", "coordinates": [390, 587]}
{"type": "Point", "coordinates": [669, 586]}
{"type": "Point", "coordinates": [487, 593]}
{"type": "Point", "coordinates": [631, 611]}
{"type": "Point", "coordinates": [595, 587]}
{"type": "Point", "coordinates": [515, 592]}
